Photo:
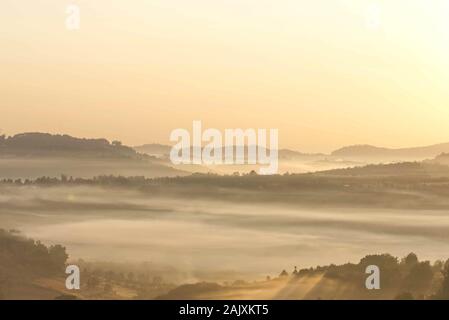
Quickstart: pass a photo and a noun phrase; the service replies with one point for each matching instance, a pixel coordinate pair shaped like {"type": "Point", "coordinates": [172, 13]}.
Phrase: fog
{"type": "Point", "coordinates": [35, 167]}
{"type": "Point", "coordinates": [197, 235]}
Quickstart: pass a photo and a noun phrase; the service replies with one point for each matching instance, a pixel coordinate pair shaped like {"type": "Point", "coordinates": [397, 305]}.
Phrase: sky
{"type": "Point", "coordinates": [326, 73]}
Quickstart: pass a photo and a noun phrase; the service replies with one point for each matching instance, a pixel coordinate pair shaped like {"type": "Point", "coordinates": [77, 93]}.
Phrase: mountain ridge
{"type": "Point", "coordinates": [365, 150]}
{"type": "Point", "coordinates": [350, 152]}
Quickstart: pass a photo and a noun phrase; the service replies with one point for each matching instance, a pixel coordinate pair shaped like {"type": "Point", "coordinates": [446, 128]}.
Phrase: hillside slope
{"type": "Point", "coordinates": [368, 152]}
{"type": "Point", "coordinates": [31, 155]}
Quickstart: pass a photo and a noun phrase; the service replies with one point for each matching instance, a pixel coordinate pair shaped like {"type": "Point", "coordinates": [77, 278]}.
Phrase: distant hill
{"type": "Point", "coordinates": [403, 169]}
{"type": "Point", "coordinates": [440, 159]}
{"type": "Point", "coordinates": [289, 160]}
{"type": "Point", "coordinates": [357, 153]}
{"type": "Point", "coordinates": [287, 154]}
{"type": "Point", "coordinates": [152, 159]}
{"type": "Point", "coordinates": [373, 153]}
{"type": "Point", "coordinates": [31, 155]}
{"type": "Point", "coordinates": [154, 149]}
{"type": "Point", "coordinates": [161, 150]}
{"type": "Point", "coordinates": [45, 144]}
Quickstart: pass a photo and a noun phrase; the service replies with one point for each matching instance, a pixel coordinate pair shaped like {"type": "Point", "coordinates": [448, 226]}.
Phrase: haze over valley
{"type": "Point", "coordinates": [238, 149]}
{"type": "Point", "coordinates": [210, 227]}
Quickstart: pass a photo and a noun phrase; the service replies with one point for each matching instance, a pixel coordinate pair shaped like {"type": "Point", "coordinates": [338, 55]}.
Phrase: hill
{"type": "Point", "coordinates": [161, 150]}
{"type": "Point", "coordinates": [365, 153]}
{"type": "Point", "coordinates": [24, 260]}
{"type": "Point", "coordinates": [440, 159]}
{"type": "Point", "coordinates": [373, 153]}
{"type": "Point", "coordinates": [31, 155]}
{"type": "Point", "coordinates": [154, 149]}
{"type": "Point", "coordinates": [45, 144]}
{"type": "Point", "coordinates": [406, 278]}
{"type": "Point", "coordinates": [403, 169]}
{"type": "Point", "coordinates": [405, 186]}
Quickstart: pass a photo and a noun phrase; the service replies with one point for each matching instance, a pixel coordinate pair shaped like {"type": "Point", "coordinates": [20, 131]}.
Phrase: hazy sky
{"type": "Point", "coordinates": [326, 73]}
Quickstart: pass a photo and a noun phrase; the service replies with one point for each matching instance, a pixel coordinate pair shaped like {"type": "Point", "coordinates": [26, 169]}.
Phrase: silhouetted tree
{"type": "Point", "coordinates": [419, 277]}
{"type": "Point", "coordinates": [283, 274]}
{"type": "Point", "coordinates": [58, 256]}
{"type": "Point", "coordinates": [443, 293]}
{"type": "Point", "coordinates": [411, 259]}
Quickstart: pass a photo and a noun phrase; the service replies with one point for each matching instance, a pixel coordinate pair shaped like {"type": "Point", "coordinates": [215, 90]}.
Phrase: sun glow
{"type": "Point", "coordinates": [326, 73]}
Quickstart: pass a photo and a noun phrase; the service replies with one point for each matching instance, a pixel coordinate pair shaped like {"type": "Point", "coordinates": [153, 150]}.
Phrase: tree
{"type": "Point", "coordinates": [388, 265]}
{"type": "Point", "coordinates": [58, 256]}
{"type": "Point", "coordinates": [283, 274]}
{"type": "Point", "coordinates": [420, 277]}
{"type": "Point", "coordinates": [411, 259]}
{"type": "Point", "coordinates": [443, 293]}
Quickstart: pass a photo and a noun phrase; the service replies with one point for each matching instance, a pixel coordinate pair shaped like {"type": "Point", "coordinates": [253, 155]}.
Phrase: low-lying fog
{"type": "Point", "coordinates": [119, 225]}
